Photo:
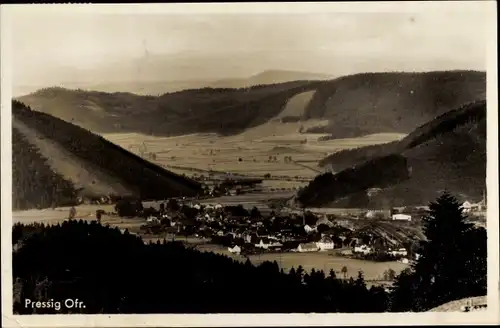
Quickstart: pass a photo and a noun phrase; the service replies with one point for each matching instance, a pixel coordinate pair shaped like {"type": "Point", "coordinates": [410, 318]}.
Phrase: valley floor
{"type": "Point", "coordinates": [255, 153]}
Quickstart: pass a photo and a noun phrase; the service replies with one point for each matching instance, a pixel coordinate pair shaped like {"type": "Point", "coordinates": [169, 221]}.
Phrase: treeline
{"type": "Point", "coordinates": [34, 183]}
{"type": "Point", "coordinates": [113, 272]}
{"type": "Point", "coordinates": [328, 187]}
{"type": "Point", "coordinates": [150, 180]}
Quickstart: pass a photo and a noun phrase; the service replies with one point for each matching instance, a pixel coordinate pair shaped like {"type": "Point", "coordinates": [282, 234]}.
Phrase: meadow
{"type": "Point", "coordinates": [256, 152]}
{"type": "Point", "coordinates": [326, 261]}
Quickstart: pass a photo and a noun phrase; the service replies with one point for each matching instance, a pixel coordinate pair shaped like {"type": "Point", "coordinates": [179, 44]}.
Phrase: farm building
{"type": "Point", "coordinates": [326, 243]}
{"type": "Point", "coordinates": [235, 250]}
{"type": "Point", "coordinates": [468, 207]}
{"type": "Point", "coordinates": [363, 249]}
{"type": "Point", "coordinates": [401, 217]}
{"type": "Point", "coordinates": [399, 252]}
{"type": "Point", "coordinates": [309, 247]}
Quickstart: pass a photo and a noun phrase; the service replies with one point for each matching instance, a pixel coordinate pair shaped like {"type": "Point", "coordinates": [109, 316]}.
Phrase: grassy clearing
{"type": "Point", "coordinates": [325, 261]}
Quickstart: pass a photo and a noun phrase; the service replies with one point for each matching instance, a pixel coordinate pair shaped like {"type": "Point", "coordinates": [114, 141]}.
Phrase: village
{"type": "Point", "coordinates": [247, 232]}
{"type": "Point", "coordinates": [373, 235]}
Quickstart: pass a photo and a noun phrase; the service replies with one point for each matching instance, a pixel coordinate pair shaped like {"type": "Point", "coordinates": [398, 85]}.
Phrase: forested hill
{"type": "Point", "coordinates": [448, 153]}
{"type": "Point", "coordinates": [354, 105]}
{"type": "Point", "coordinates": [55, 161]}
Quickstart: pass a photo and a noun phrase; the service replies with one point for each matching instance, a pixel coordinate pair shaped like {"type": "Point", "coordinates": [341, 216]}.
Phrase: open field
{"type": "Point", "coordinates": [250, 153]}
{"type": "Point", "coordinates": [325, 261]}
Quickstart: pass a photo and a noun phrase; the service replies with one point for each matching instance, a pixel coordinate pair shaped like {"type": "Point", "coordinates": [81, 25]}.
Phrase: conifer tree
{"type": "Point", "coordinates": [452, 262]}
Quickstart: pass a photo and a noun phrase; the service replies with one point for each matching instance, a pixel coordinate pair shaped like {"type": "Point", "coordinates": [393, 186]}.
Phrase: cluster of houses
{"type": "Point", "coordinates": [324, 244]}
{"type": "Point", "coordinates": [400, 253]}
{"type": "Point", "coordinates": [473, 208]}
{"type": "Point", "coordinates": [247, 232]}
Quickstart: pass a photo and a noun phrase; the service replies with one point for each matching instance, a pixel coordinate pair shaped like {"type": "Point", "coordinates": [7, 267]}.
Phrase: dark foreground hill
{"type": "Point", "coordinates": [55, 161]}
{"type": "Point", "coordinates": [59, 262]}
{"type": "Point", "coordinates": [448, 153]}
{"type": "Point", "coordinates": [354, 105]}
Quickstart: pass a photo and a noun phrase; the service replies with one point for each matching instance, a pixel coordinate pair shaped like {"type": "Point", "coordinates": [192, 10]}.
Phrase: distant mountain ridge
{"type": "Point", "coordinates": [158, 87]}
{"type": "Point", "coordinates": [54, 162]}
{"type": "Point", "coordinates": [355, 105]}
{"type": "Point", "coordinates": [448, 153]}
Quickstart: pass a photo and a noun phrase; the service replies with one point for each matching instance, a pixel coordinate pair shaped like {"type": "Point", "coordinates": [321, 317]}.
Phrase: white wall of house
{"type": "Point", "coordinates": [235, 250]}
{"type": "Point", "coordinates": [401, 217]}
{"type": "Point", "coordinates": [362, 249]}
{"type": "Point", "coordinates": [324, 246]}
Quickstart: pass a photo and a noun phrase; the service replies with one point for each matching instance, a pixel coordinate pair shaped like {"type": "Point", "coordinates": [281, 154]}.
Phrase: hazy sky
{"type": "Point", "coordinates": [331, 43]}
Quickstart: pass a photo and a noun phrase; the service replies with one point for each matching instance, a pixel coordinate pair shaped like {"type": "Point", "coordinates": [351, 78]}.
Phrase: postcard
{"type": "Point", "coordinates": [253, 164]}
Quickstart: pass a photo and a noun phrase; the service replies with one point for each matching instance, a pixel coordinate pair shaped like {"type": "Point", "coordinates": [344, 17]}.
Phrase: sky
{"type": "Point", "coordinates": [46, 44]}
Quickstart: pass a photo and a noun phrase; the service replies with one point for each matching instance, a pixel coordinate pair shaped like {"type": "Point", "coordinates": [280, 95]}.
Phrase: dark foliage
{"type": "Point", "coordinates": [329, 187]}
{"type": "Point", "coordinates": [34, 183]}
{"type": "Point", "coordinates": [113, 272]}
{"type": "Point", "coordinates": [237, 210]}
{"type": "Point", "coordinates": [452, 265]}
{"type": "Point", "coordinates": [128, 208]}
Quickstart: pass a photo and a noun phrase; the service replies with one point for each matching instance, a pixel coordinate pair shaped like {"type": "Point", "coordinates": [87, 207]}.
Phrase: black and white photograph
{"type": "Point", "coordinates": [309, 159]}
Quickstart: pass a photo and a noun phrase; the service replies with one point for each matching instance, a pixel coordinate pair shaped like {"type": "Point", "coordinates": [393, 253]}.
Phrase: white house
{"type": "Point", "coordinates": [404, 260]}
{"type": "Point", "coordinates": [326, 243]}
{"type": "Point", "coordinates": [467, 207]}
{"type": "Point", "coordinates": [401, 217]}
{"type": "Point", "coordinates": [363, 249]}
{"type": "Point", "coordinates": [309, 247]}
{"type": "Point", "coordinates": [235, 250]}
{"type": "Point", "coordinates": [263, 243]}
{"type": "Point", "coordinates": [399, 252]}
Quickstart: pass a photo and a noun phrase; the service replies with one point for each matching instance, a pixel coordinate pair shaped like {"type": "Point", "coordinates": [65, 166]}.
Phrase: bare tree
{"type": "Point", "coordinates": [344, 271]}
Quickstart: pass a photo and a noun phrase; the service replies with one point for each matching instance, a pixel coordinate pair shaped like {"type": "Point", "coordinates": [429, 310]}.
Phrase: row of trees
{"type": "Point", "coordinates": [117, 273]}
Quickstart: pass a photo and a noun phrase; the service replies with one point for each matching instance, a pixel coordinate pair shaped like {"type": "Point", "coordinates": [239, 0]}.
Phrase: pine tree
{"type": "Point", "coordinates": [452, 264]}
